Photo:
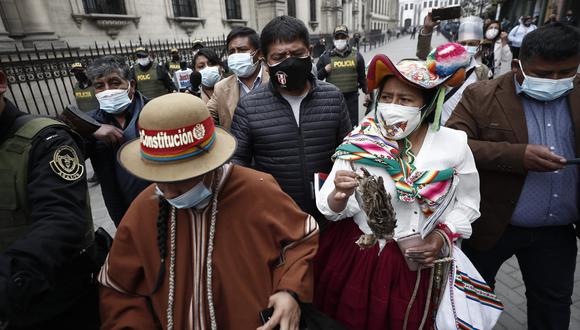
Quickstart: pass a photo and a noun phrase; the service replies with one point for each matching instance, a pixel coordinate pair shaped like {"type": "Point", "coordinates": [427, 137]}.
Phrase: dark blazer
{"type": "Point", "coordinates": [493, 117]}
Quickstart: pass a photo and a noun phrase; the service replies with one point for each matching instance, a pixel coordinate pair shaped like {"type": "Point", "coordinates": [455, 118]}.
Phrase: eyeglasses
{"type": "Point", "coordinates": [279, 57]}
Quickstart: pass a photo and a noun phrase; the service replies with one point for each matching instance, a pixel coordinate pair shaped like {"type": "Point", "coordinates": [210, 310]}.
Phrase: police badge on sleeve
{"type": "Point", "coordinates": [65, 163]}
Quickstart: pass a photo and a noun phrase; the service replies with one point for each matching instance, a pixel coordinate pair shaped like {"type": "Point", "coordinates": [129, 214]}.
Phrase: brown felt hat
{"type": "Point", "coordinates": [177, 141]}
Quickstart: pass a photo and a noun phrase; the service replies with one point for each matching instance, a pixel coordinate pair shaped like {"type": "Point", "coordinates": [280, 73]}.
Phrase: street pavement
{"type": "Point", "coordinates": [509, 287]}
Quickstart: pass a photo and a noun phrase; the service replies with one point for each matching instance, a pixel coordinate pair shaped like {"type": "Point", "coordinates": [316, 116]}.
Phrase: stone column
{"type": "Point", "coordinates": [5, 41]}
{"type": "Point", "coordinates": [268, 9]}
{"type": "Point", "coordinates": [36, 23]}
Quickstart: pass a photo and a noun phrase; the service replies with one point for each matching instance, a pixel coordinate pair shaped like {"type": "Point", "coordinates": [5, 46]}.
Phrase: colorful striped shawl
{"type": "Point", "coordinates": [366, 145]}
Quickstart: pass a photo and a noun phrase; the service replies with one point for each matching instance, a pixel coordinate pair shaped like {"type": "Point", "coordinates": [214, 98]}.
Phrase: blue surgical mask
{"type": "Point", "coordinates": [543, 89]}
{"type": "Point", "coordinates": [196, 197]}
{"type": "Point", "coordinates": [114, 101]}
{"type": "Point", "coordinates": [471, 50]}
{"type": "Point", "coordinates": [210, 75]}
{"type": "Point", "coordinates": [242, 64]}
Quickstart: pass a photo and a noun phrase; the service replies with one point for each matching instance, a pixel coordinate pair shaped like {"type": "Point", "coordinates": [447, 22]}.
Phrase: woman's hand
{"type": "Point", "coordinates": [345, 183]}
{"type": "Point", "coordinates": [504, 38]}
{"type": "Point", "coordinates": [286, 312]}
{"type": "Point", "coordinates": [426, 253]}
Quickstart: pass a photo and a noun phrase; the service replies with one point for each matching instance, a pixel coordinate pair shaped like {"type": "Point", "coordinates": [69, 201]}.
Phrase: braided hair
{"type": "Point", "coordinates": [161, 240]}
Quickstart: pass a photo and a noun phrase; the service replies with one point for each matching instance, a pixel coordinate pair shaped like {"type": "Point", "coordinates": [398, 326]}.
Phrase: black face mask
{"type": "Point", "coordinates": [292, 73]}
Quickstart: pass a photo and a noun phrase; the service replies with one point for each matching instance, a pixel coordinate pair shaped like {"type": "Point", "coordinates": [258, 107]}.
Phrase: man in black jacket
{"type": "Point", "coordinates": [290, 127]}
{"type": "Point", "coordinates": [119, 107]}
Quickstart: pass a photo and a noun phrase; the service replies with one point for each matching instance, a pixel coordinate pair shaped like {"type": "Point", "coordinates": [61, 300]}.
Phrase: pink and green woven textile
{"type": "Point", "coordinates": [366, 145]}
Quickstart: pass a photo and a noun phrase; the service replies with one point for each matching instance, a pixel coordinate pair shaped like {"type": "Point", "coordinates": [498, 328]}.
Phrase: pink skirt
{"type": "Point", "coordinates": [362, 289]}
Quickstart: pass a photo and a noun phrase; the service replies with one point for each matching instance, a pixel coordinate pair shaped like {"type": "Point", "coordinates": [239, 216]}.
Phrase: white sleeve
{"type": "Point", "coordinates": [352, 206]}
{"type": "Point", "coordinates": [466, 207]}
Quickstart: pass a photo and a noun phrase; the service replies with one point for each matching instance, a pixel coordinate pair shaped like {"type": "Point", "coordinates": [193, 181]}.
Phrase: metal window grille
{"type": "Point", "coordinates": [292, 8]}
{"type": "Point", "coordinates": [40, 81]}
{"type": "Point", "coordinates": [105, 7]}
{"type": "Point", "coordinates": [233, 9]}
{"type": "Point", "coordinates": [313, 10]}
{"type": "Point", "coordinates": [184, 8]}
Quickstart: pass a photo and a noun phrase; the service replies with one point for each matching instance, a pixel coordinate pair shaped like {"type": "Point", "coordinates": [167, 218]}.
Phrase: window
{"type": "Point", "coordinates": [233, 10]}
{"type": "Point", "coordinates": [291, 8]}
{"type": "Point", "coordinates": [313, 10]}
{"type": "Point", "coordinates": [105, 7]}
{"type": "Point", "coordinates": [411, 7]}
{"type": "Point", "coordinates": [430, 4]}
{"type": "Point", "coordinates": [184, 8]}
{"type": "Point", "coordinates": [436, 3]}
{"type": "Point", "coordinates": [406, 6]}
{"type": "Point", "coordinates": [425, 4]}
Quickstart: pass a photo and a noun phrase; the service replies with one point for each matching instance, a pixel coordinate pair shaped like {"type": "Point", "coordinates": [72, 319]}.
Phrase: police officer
{"type": "Point", "coordinates": [45, 225]}
{"type": "Point", "coordinates": [83, 89]}
{"type": "Point", "coordinates": [174, 64]}
{"type": "Point", "coordinates": [197, 45]}
{"type": "Point", "coordinates": [152, 78]}
{"type": "Point", "coordinates": [344, 67]}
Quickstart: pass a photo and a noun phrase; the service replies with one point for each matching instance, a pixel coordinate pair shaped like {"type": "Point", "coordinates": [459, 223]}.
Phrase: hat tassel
{"type": "Point", "coordinates": [439, 108]}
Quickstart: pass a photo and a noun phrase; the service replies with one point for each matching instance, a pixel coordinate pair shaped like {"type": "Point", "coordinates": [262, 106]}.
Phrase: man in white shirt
{"type": "Point", "coordinates": [518, 33]}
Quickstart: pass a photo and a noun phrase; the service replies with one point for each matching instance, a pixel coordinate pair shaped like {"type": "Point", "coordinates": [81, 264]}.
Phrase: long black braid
{"type": "Point", "coordinates": [162, 219]}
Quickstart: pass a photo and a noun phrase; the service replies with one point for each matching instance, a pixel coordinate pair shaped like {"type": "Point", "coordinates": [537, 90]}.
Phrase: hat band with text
{"type": "Point", "coordinates": [179, 143]}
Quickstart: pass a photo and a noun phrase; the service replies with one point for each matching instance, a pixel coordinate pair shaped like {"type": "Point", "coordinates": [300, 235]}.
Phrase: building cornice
{"type": "Point", "coordinates": [111, 23]}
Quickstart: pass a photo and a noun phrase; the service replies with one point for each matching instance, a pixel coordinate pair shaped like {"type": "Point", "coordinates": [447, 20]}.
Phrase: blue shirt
{"type": "Point", "coordinates": [549, 198]}
{"type": "Point", "coordinates": [244, 90]}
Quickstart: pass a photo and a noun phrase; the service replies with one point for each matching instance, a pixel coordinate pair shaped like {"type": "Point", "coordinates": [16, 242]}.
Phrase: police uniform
{"type": "Point", "coordinates": [348, 74]}
{"type": "Point", "coordinates": [152, 80]}
{"type": "Point", "coordinates": [173, 66]}
{"type": "Point", "coordinates": [85, 97]}
{"type": "Point", "coordinates": [45, 227]}
{"type": "Point", "coordinates": [84, 91]}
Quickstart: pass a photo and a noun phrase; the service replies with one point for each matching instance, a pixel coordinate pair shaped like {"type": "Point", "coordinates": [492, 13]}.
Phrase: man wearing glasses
{"type": "Point", "coordinates": [244, 60]}
{"type": "Point", "coordinates": [291, 126]}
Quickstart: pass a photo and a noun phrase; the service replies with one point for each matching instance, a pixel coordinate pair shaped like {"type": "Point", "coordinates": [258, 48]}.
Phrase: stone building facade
{"type": "Point", "coordinates": [29, 23]}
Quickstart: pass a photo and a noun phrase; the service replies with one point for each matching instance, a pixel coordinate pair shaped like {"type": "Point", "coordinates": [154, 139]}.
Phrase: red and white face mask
{"type": "Point", "coordinates": [397, 121]}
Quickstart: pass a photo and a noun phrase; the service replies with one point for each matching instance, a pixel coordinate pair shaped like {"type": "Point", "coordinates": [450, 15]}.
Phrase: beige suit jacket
{"type": "Point", "coordinates": [225, 98]}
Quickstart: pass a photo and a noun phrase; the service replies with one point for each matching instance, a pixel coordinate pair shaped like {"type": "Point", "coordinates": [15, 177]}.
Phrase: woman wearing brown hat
{"type": "Point", "coordinates": [208, 245]}
{"type": "Point", "coordinates": [384, 280]}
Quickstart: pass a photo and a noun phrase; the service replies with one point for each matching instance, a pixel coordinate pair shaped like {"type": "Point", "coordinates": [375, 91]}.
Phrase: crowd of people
{"type": "Point", "coordinates": [250, 194]}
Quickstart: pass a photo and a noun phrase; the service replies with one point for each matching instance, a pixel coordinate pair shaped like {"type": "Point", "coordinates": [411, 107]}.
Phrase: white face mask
{"type": "Point", "coordinates": [114, 101]}
{"type": "Point", "coordinates": [397, 121]}
{"type": "Point", "coordinates": [210, 75]}
{"type": "Point", "coordinates": [491, 34]}
{"type": "Point", "coordinates": [340, 44]}
{"type": "Point", "coordinates": [242, 64]}
{"type": "Point", "coordinates": [143, 61]}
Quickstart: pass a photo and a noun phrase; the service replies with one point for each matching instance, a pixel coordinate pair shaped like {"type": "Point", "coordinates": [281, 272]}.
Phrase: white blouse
{"type": "Point", "coordinates": [440, 150]}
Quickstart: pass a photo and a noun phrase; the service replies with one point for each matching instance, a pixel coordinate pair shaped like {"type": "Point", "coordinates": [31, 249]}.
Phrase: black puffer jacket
{"type": "Point", "coordinates": [270, 140]}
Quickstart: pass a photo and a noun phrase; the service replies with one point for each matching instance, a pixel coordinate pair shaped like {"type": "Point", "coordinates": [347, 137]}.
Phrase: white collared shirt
{"type": "Point", "coordinates": [440, 150]}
